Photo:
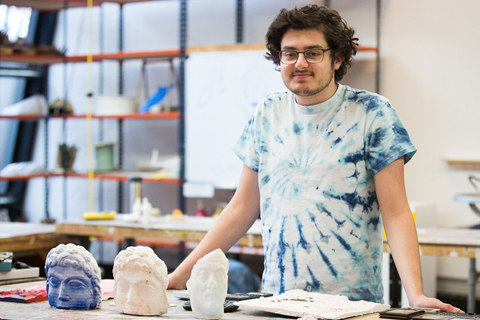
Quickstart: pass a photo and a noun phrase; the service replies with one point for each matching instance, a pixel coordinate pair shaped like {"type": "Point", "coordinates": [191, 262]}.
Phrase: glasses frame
{"type": "Point", "coordinates": [298, 52]}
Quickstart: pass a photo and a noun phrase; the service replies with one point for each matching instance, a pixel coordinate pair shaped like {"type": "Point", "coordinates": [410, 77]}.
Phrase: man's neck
{"type": "Point", "coordinates": [318, 98]}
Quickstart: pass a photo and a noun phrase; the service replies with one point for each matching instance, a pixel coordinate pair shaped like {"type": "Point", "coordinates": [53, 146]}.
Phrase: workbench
{"type": "Point", "coordinates": [437, 242]}
{"type": "Point", "coordinates": [42, 310]}
{"type": "Point", "coordinates": [461, 243]}
{"type": "Point", "coordinates": [193, 229]}
{"type": "Point", "coordinates": [29, 238]}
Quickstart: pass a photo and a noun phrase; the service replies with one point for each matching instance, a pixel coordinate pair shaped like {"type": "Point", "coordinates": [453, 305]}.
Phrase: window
{"type": "Point", "coordinates": [14, 23]}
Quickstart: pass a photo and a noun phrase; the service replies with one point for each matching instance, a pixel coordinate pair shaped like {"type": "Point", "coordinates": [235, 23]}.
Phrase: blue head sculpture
{"type": "Point", "coordinates": [73, 278]}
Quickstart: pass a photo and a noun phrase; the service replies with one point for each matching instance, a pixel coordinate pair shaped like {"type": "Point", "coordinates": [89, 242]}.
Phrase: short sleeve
{"type": "Point", "coordinates": [245, 147]}
{"type": "Point", "coordinates": [386, 140]}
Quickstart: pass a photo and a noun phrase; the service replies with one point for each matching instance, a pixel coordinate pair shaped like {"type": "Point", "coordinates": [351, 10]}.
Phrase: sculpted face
{"type": "Point", "coordinates": [208, 285]}
{"type": "Point", "coordinates": [73, 278]}
{"type": "Point", "coordinates": [69, 288]}
{"type": "Point", "coordinates": [138, 292]}
{"type": "Point", "coordinates": [140, 282]}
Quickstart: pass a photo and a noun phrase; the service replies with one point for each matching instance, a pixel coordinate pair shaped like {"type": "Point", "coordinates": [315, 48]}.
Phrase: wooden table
{"type": "Point", "coordinates": [42, 310]}
{"type": "Point", "coordinates": [461, 243]}
{"type": "Point", "coordinates": [437, 242]}
{"type": "Point", "coordinates": [29, 238]}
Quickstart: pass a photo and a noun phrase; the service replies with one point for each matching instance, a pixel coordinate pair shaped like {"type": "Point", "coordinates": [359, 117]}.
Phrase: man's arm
{"type": "Point", "coordinates": [234, 221]}
{"type": "Point", "coordinates": [402, 234]}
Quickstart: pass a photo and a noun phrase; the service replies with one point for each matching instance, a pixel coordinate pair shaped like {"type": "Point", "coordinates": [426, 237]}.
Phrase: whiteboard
{"type": "Point", "coordinates": [222, 90]}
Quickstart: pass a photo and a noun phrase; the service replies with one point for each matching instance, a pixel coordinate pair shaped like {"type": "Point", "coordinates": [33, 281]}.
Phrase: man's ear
{"type": "Point", "coordinates": [338, 62]}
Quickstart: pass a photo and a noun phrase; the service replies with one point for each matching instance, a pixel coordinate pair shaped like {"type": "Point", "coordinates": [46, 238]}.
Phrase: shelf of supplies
{"type": "Point", "coordinates": [114, 175]}
{"type": "Point", "coordinates": [28, 177]}
{"type": "Point", "coordinates": [56, 5]}
{"type": "Point", "coordinates": [143, 55]}
{"type": "Point", "coordinates": [145, 116]}
{"type": "Point", "coordinates": [120, 56]}
{"type": "Point", "coordinates": [24, 72]}
{"type": "Point", "coordinates": [43, 59]}
{"type": "Point", "coordinates": [26, 117]}
{"type": "Point", "coordinates": [32, 59]}
{"type": "Point", "coordinates": [464, 164]}
{"type": "Point", "coordinates": [125, 176]}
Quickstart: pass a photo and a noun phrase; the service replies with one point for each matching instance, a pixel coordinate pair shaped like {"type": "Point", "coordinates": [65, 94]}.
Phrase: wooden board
{"type": "Point", "coordinates": [193, 229]}
{"type": "Point", "coordinates": [464, 164]}
{"type": "Point", "coordinates": [462, 243]}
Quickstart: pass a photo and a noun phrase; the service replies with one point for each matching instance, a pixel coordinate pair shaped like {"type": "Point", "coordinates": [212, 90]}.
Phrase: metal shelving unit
{"type": "Point", "coordinates": [120, 56]}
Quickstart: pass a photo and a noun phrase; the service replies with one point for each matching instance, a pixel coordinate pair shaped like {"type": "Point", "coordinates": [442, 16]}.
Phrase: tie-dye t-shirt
{"type": "Point", "coordinates": [321, 223]}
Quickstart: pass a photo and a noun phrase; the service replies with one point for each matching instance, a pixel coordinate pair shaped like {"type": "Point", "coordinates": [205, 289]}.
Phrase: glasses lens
{"type": "Point", "coordinates": [288, 57]}
{"type": "Point", "coordinates": [314, 56]}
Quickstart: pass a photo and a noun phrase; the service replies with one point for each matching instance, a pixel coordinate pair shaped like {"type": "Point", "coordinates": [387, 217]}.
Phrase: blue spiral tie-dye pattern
{"type": "Point", "coordinates": [322, 228]}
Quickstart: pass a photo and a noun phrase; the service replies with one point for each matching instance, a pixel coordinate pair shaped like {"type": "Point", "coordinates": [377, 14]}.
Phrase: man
{"type": "Point", "coordinates": [73, 278]}
{"type": "Point", "coordinates": [320, 161]}
{"type": "Point", "coordinates": [207, 287]}
{"type": "Point", "coordinates": [140, 282]}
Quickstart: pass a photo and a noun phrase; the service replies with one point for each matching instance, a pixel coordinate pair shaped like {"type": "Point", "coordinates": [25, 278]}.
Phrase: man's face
{"type": "Point", "coordinates": [69, 288]}
{"type": "Point", "coordinates": [208, 288]}
{"type": "Point", "coordinates": [138, 292]}
{"type": "Point", "coordinates": [311, 83]}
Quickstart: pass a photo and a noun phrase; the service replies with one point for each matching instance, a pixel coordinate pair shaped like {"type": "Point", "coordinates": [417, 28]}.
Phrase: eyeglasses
{"type": "Point", "coordinates": [312, 56]}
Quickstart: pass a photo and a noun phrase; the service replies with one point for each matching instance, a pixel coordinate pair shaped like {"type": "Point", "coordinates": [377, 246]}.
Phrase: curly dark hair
{"type": "Point", "coordinates": [338, 34]}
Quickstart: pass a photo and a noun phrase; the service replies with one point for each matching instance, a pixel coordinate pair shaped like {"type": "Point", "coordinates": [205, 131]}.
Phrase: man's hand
{"type": "Point", "coordinates": [426, 302]}
{"type": "Point", "coordinates": [175, 282]}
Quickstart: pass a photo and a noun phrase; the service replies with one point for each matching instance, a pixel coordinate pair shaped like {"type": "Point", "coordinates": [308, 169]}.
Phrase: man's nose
{"type": "Point", "coordinates": [301, 61]}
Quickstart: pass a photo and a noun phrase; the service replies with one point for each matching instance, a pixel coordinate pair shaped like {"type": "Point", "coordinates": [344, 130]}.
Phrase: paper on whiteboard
{"type": "Point", "coordinates": [198, 190]}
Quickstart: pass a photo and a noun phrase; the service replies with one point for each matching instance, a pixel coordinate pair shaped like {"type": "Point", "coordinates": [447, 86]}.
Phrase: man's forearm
{"type": "Point", "coordinates": [399, 226]}
{"type": "Point", "coordinates": [403, 243]}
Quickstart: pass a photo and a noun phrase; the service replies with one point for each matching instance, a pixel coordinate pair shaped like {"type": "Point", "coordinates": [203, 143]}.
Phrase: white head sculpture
{"type": "Point", "coordinates": [208, 284]}
{"type": "Point", "coordinates": [140, 282]}
{"type": "Point", "coordinates": [73, 278]}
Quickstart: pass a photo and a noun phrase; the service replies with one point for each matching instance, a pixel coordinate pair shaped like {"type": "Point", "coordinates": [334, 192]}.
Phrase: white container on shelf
{"type": "Point", "coordinates": [114, 105]}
